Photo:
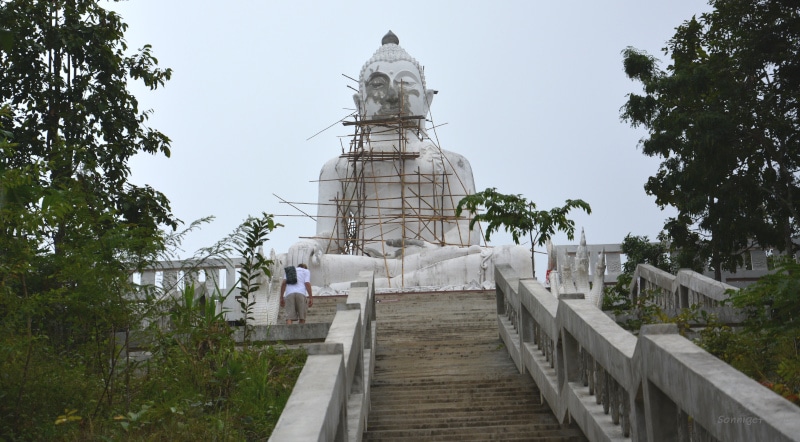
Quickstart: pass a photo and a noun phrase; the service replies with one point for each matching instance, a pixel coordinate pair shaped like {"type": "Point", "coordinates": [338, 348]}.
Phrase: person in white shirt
{"type": "Point", "coordinates": [297, 297]}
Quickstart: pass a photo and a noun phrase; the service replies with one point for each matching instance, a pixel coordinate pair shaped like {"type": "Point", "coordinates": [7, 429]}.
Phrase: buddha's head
{"type": "Point", "coordinates": [392, 83]}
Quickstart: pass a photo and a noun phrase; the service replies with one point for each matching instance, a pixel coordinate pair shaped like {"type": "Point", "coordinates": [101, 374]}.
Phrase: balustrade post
{"type": "Point", "coordinates": [569, 351]}
{"type": "Point", "coordinates": [613, 399]}
{"type": "Point", "coordinates": [501, 300]}
{"type": "Point", "coordinates": [582, 359]}
{"type": "Point", "coordinates": [682, 424]}
{"type": "Point", "coordinates": [604, 399]}
{"type": "Point", "coordinates": [527, 326]}
{"type": "Point", "coordinates": [598, 383]}
{"type": "Point", "coordinates": [659, 410]}
{"type": "Point", "coordinates": [625, 411]}
{"type": "Point", "coordinates": [570, 370]}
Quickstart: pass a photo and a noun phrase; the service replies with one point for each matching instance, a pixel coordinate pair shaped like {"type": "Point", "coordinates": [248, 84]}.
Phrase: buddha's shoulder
{"type": "Point", "coordinates": [429, 148]}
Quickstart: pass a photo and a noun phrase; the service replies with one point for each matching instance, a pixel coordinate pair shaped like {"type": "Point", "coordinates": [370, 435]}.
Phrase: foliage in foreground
{"type": "Point", "coordinates": [767, 346]}
{"type": "Point", "coordinates": [195, 384]}
{"type": "Point", "coordinates": [73, 228]}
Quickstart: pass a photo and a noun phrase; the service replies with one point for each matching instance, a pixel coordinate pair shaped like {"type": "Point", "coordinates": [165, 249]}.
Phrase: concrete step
{"type": "Point", "coordinates": [509, 432]}
{"type": "Point", "coordinates": [443, 374]}
{"type": "Point", "coordinates": [454, 420]}
{"type": "Point", "coordinates": [323, 310]}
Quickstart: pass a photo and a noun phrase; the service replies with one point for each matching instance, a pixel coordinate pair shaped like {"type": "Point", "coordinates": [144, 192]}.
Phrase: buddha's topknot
{"type": "Point", "coordinates": [389, 51]}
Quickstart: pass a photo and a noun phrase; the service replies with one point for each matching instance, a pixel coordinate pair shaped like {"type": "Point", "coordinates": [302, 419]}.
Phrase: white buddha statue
{"type": "Point", "coordinates": [388, 205]}
{"type": "Point", "coordinates": [408, 186]}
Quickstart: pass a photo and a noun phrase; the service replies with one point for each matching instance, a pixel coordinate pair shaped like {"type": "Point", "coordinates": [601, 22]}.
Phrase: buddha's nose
{"type": "Point", "coordinates": [392, 95]}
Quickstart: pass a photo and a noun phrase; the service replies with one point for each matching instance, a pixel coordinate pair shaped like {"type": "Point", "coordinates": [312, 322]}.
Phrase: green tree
{"type": "Point", "coordinates": [75, 126]}
{"type": "Point", "coordinates": [71, 224]}
{"type": "Point", "coordinates": [637, 250]}
{"type": "Point", "coordinates": [519, 217]}
{"type": "Point", "coordinates": [723, 117]}
{"type": "Point", "coordinates": [640, 250]}
{"type": "Point", "coordinates": [6, 40]}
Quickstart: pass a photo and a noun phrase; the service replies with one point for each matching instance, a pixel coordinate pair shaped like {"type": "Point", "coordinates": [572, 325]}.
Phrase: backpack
{"type": "Point", "coordinates": [291, 275]}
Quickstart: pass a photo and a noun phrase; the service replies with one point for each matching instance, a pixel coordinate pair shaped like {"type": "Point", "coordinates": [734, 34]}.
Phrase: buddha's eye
{"type": "Point", "coordinates": [377, 82]}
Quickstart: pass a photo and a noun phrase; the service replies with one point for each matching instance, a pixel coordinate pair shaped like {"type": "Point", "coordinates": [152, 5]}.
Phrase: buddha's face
{"type": "Point", "coordinates": [393, 88]}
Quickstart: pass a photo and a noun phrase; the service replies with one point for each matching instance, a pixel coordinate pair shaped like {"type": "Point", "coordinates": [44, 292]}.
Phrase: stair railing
{"type": "Point", "coordinates": [616, 386]}
{"type": "Point", "coordinates": [330, 400]}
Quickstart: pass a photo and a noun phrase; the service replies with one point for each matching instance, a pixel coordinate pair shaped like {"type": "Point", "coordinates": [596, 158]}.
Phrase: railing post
{"type": "Point", "coordinates": [660, 412]}
{"type": "Point", "coordinates": [526, 325]}
{"type": "Point", "coordinates": [501, 300]}
{"type": "Point", "coordinates": [684, 294]}
{"type": "Point", "coordinates": [568, 351]}
{"type": "Point", "coordinates": [570, 359]}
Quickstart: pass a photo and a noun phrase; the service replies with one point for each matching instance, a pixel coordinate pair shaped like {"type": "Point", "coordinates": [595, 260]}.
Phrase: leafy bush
{"type": "Point", "coordinates": [189, 381]}
{"type": "Point", "coordinates": [767, 347]}
{"type": "Point", "coordinates": [638, 250]}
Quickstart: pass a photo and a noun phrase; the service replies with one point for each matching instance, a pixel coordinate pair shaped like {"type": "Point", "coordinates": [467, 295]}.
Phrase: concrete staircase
{"type": "Point", "coordinates": [442, 374]}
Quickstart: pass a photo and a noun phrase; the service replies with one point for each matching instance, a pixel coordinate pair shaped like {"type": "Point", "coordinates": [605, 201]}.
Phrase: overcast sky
{"type": "Point", "coordinates": [529, 92]}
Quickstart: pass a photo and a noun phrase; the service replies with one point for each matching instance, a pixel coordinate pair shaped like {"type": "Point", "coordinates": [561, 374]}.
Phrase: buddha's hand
{"type": "Point", "coordinates": [304, 252]}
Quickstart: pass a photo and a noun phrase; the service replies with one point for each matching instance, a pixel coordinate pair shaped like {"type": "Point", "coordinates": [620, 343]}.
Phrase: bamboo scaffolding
{"type": "Point", "coordinates": [428, 214]}
{"type": "Point", "coordinates": [364, 219]}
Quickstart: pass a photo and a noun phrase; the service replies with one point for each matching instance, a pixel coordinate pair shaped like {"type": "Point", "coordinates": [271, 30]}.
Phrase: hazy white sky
{"type": "Point", "coordinates": [529, 92]}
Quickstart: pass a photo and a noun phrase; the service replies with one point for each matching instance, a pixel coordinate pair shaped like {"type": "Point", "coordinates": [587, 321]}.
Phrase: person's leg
{"type": "Point", "coordinates": [291, 308]}
{"type": "Point", "coordinates": [302, 308]}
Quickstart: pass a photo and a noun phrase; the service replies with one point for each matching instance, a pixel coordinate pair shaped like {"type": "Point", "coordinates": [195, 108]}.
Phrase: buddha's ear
{"type": "Point", "coordinates": [429, 97]}
{"type": "Point", "coordinates": [357, 101]}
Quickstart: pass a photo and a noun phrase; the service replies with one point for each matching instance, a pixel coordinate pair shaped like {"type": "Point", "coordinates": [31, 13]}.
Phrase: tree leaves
{"type": "Point", "coordinates": [723, 118]}
{"type": "Point", "coordinates": [249, 243]}
{"type": "Point", "coordinates": [66, 81]}
{"type": "Point", "coordinates": [6, 40]}
{"type": "Point", "coordinates": [71, 225]}
{"type": "Point", "coordinates": [519, 217]}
